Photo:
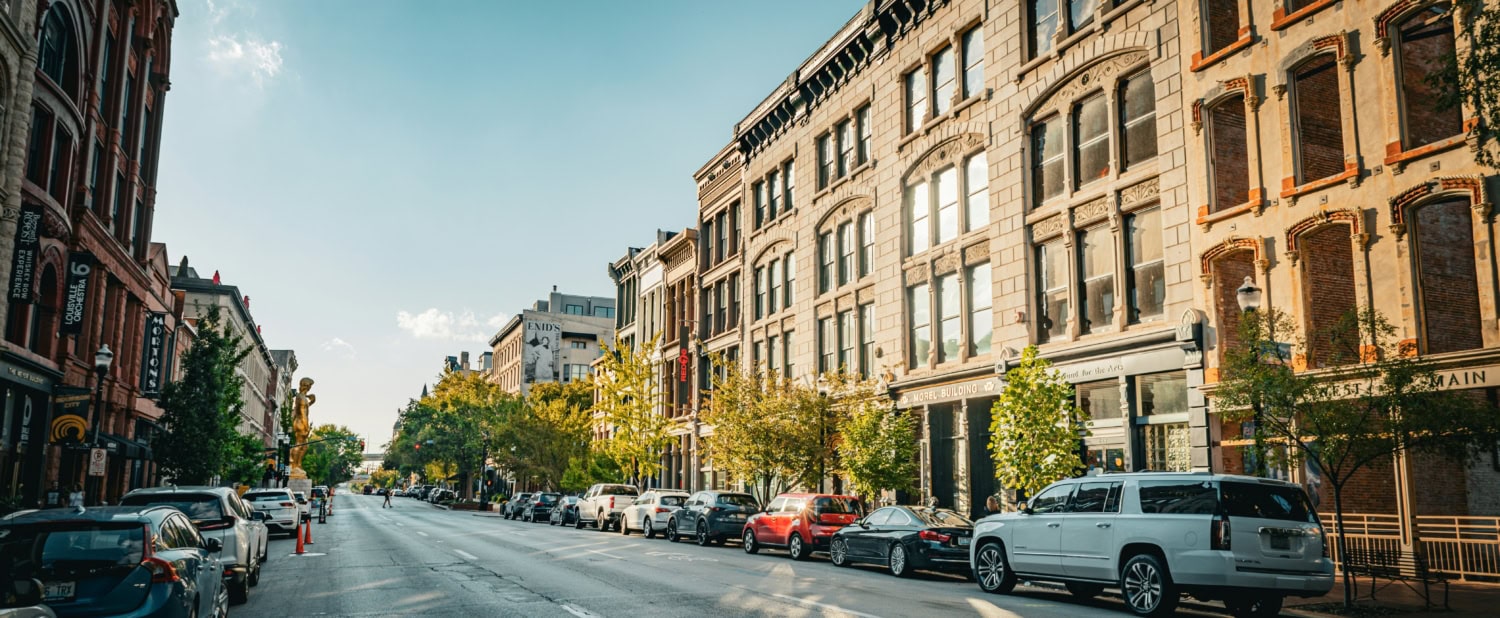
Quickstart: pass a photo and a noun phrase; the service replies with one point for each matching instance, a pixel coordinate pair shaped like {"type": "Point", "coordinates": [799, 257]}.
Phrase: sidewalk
{"type": "Point", "coordinates": [1465, 599]}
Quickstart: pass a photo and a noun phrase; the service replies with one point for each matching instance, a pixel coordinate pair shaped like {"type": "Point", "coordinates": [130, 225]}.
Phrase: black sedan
{"type": "Point", "coordinates": [906, 539]}
{"type": "Point", "coordinates": [539, 507]}
{"type": "Point", "coordinates": [565, 513]}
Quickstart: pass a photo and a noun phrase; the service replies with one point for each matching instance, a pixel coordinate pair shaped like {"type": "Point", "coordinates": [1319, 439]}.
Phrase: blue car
{"type": "Point", "coordinates": [116, 561]}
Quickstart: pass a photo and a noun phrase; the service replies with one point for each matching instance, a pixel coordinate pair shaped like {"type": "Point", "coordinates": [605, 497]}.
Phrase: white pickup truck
{"type": "Point", "coordinates": [603, 503]}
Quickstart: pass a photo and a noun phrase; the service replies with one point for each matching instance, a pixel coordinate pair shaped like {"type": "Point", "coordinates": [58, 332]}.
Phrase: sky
{"type": "Point", "coordinates": [390, 181]}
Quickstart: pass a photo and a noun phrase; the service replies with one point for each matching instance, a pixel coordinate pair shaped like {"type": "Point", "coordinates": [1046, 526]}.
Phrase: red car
{"type": "Point", "coordinates": [802, 523]}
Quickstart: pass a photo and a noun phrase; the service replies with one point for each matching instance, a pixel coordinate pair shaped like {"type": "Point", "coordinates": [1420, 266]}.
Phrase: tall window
{"type": "Point", "coordinates": [846, 341]}
{"type": "Point", "coordinates": [1138, 119]}
{"type": "Point", "coordinates": [973, 61]}
{"type": "Point", "coordinates": [977, 190]}
{"type": "Point", "coordinates": [1052, 283]}
{"type": "Point", "coordinates": [943, 81]}
{"type": "Point", "coordinates": [94, 184]}
{"type": "Point", "coordinates": [1328, 266]}
{"type": "Point", "coordinates": [121, 192]}
{"type": "Point", "coordinates": [142, 149]}
{"type": "Point", "coordinates": [36, 147]}
{"type": "Point", "coordinates": [916, 99]}
{"type": "Point", "coordinates": [104, 71]}
{"type": "Point", "coordinates": [773, 305]}
{"type": "Point", "coordinates": [947, 204]}
{"type": "Point", "coordinates": [127, 105]}
{"type": "Point", "coordinates": [1041, 24]}
{"type": "Point", "coordinates": [1229, 155]}
{"type": "Point", "coordinates": [734, 228]}
{"type": "Point", "coordinates": [773, 350]}
{"type": "Point", "coordinates": [1221, 24]}
{"type": "Point", "coordinates": [1047, 159]}
{"type": "Point", "coordinates": [845, 131]}
{"type": "Point", "coordinates": [1319, 122]}
{"type": "Point", "coordinates": [981, 313]}
{"type": "Point", "coordinates": [774, 199]}
{"type": "Point", "coordinates": [846, 253]}
{"type": "Point", "coordinates": [138, 227]}
{"type": "Point", "coordinates": [760, 292]}
{"type": "Point", "coordinates": [734, 300]}
{"type": "Point", "coordinates": [919, 300]}
{"type": "Point", "coordinates": [759, 189]}
{"type": "Point", "coordinates": [1096, 266]}
{"type": "Point", "coordinates": [62, 146]}
{"type": "Point", "coordinates": [825, 262]}
{"type": "Point", "coordinates": [866, 340]}
{"type": "Point", "coordinates": [56, 56]}
{"type": "Point", "coordinates": [825, 160]}
{"type": "Point", "coordinates": [1146, 286]}
{"type": "Point", "coordinates": [706, 232]}
{"type": "Point", "coordinates": [788, 355]}
{"type": "Point", "coordinates": [1081, 13]}
{"type": "Point", "coordinates": [791, 280]}
{"type": "Point", "coordinates": [1091, 140]}
{"type": "Point", "coordinates": [722, 244]}
{"type": "Point", "coordinates": [862, 122]}
{"type": "Point", "coordinates": [827, 345]}
{"type": "Point", "coordinates": [1444, 237]}
{"type": "Point", "coordinates": [918, 204]}
{"type": "Point", "coordinates": [1425, 45]}
{"type": "Point", "coordinates": [866, 243]}
{"type": "Point", "coordinates": [950, 315]}
{"type": "Point", "coordinates": [788, 176]}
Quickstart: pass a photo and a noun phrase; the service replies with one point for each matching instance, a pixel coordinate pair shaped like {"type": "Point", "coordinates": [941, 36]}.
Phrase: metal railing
{"type": "Point", "coordinates": [1463, 548]}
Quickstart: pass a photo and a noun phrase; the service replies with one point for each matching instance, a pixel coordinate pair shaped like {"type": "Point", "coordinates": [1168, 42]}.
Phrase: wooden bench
{"type": "Point", "coordinates": [1395, 566]}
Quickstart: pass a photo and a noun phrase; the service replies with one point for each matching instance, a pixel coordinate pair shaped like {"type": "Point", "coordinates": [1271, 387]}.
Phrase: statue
{"type": "Point", "coordinates": [301, 428]}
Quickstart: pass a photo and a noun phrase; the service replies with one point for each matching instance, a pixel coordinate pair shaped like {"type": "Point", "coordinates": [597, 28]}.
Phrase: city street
{"type": "Point", "coordinates": [417, 559]}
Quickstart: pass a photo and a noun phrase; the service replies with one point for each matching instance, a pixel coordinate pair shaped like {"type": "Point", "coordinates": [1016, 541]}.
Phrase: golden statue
{"type": "Point", "coordinates": [301, 428]}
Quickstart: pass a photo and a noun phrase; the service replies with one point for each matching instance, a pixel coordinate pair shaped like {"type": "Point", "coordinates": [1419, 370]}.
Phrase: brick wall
{"type": "Point", "coordinates": [1328, 261]}
{"type": "Point", "coordinates": [1442, 486]}
{"type": "Point", "coordinates": [1229, 273]}
{"type": "Point", "coordinates": [1449, 287]}
{"type": "Point", "coordinates": [1231, 158]}
{"type": "Point", "coordinates": [1223, 24]}
{"type": "Point", "coordinates": [1371, 490]}
{"type": "Point", "coordinates": [1320, 127]}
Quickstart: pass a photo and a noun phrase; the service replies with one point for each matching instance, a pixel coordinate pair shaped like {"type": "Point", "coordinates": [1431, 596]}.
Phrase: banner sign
{"type": "Point", "coordinates": [76, 295]}
{"type": "Point", "coordinates": [153, 355]}
{"type": "Point", "coordinates": [70, 421]}
{"type": "Point", "coordinates": [541, 346]}
{"type": "Point", "coordinates": [28, 246]}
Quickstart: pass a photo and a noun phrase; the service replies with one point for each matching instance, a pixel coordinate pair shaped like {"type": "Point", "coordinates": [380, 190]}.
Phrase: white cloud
{"type": "Point", "coordinates": [448, 325]}
{"type": "Point", "coordinates": [236, 52]}
{"type": "Point", "coordinates": [340, 347]}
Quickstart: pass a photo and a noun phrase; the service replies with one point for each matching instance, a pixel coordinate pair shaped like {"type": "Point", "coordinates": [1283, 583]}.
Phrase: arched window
{"type": "Point", "coordinates": [1424, 45]}
{"type": "Point", "coordinates": [1229, 153]}
{"type": "Point", "coordinates": [57, 55]}
{"type": "Point", "coordinates": [1319, 119]}
{"type": "Point", "coordinates": [1328, 265]}
{"type": "Point", "coordinates": [1229, 273]}
{"type": "Point", "coordinates": [1447, 281]}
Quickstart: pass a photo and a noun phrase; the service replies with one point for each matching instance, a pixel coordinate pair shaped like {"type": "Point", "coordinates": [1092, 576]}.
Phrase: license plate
{"type": "Point", "coordinates": [963, 541]}
{"type": "Point", "coordinates": [59, 591]}
{"type": "Point", "coordinates": [1281, 542]}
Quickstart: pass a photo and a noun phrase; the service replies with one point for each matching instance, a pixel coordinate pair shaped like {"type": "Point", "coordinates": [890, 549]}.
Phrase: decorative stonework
{"type": "Point", "coordinates": [1388, 17]}
{"type": "Point", "coordinates": [1241, 84]}
{"type": "Point", "coordinates": [1230, 245]}
{"type": "Point", "coordinates": [1048, 227]}
{"type": "Point", "coordinates": [1351, 217]}
{"type": "Point", "coordinates": [946, 264]}
{"type": "Point", "coordinates": [1140, 192]}
{"type": "Point", "coordinates": [1101, 72]}
{"type": "Point", "coordinates": [977, 253]}
{"type": "Point", "coordinates": [917, 273]}
{"type": "Point", "coordinates": [1402, 202]}
{"type": "Point", "coordinates": [1092, 210]}
{"type": "Point", "coordinates": [948, 152]}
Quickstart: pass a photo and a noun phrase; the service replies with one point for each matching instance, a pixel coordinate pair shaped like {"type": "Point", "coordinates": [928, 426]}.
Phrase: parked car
{"type": "Point", "coordinates": [651, 511]}
{"type": "Point", "coordinates": [712, 516]}
{"type": "Point", "coordinates": [906, 539]}
{"type": "Point", "coordinates": [279, 505]}
{"type": "Point", "coordinates": [512, 508]}
{"type": "Point", "coordinates": [136, 560]}
{"type": "Point", "coordinates": [1247, 541]}
{"type": "Point", "coordinates": [603, 503]}
{"type": "Point", "coordinates": [303, 505]}
{"type": "Point", "coordinates": [398, 492]}
{"type": "Point", "coordinates": [381, 492]}
{"type": "Point", "coordinates": [565, 513]}
{"type": "Point", "coordinates": [422, 492]}
{"type": "Point", "coordinates": [802, 523]}
{"type": "Point", "coordinates": [368, 490]}
{"type": "Point", "coordinates": [538, 507]}
{"type": "Point", "coordinates": [23, 598]}
{"type": "Point", "coordinates": [218, 514]}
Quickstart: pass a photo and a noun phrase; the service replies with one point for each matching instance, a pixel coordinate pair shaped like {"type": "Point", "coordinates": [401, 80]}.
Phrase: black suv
{"type": "Point", "coordinates": [712, 516]}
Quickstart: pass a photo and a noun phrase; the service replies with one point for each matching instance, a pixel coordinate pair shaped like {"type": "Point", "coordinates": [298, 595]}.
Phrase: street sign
{"type": "Point", "coordinates": [96, 461]}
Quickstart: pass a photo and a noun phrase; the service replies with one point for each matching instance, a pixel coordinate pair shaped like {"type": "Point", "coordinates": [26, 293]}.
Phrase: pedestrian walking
{"type": "Point", "coordinates": [387, 504]}
{"type": "Point", "coordinates": [75, 499]}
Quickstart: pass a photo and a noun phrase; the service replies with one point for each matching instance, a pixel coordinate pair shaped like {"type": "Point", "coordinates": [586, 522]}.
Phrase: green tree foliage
{"type": "Point", "coordinates": [202, 410]}
{"type": "Point", "coordinates": [878, 447]}
{"type": "Point", "coordinates": [748, 410]}
{"type": "Point", "coordinates": [1472, 77]}
{"type": "Point", "coordinates": [589, 468]}
{"type": "Point", "coordinates": [1369, 401]}
{"type": "Point", "coordinates": [332, 455]}
{"type": "Point", "coordinates": [1035, 426]}
{"type": "Point", "coordinates": [628, 400]}
{"type": "Point", "coordinates": [384, 478]}
{"type": "Point", "coordinates": [456, 423]}
{"type": "Point", "coordinates": [247, 461]}
{"type": "Point", "coordinates": [553, 429]}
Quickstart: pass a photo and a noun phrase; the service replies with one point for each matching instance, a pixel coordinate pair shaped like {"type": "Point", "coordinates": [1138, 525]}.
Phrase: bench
{"type": "Point", "coordinates": [1395, 566]}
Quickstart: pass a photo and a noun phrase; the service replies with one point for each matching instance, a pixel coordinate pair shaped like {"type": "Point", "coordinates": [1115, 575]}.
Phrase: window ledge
{"type": "Point", "coordinates": [1256, 203]}
{"type": "Point", "coordinates": [927, 127]}
{"type": "Point", "coordinates": [1280, 20]}
{"type": "Point", "coordinates": [1396, 157]}
{"type": "Point", "coordinates": [1289, 188]}
{"type": "Point", "coordinates": [1201, 62]}
{"type": "Point", "coordinates": [966, 104]}
{"type": "Point", "coordinates": [1031, 65]}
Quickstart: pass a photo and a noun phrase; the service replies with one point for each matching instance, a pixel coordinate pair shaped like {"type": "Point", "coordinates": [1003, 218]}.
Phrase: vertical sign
{"type": "Point", "coordinates": [684, 366]}
{"type": "Point", "coordinates": [23, 261]}
{"type": "Point", "coordinates": [96, 461]}
{"type": "Point", "coordinates": [153, 357]}
{"type": "Point", "coordinates": [76, 295]}
{"type": "Point", "coordinates": [541, 346]}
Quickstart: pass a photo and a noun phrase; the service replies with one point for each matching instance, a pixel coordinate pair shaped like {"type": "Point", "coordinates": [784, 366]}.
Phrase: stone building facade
{"type": "Point", "coordinates": [677, 355]}
{"type": "Point", "coordinates": [556, 340]}
{"type": "Point", "coordinates": [17, 63]}
{"type": "Point", "coordinates": [257, 371]}
{"type": "Point", "coordinates": [1327, 174]}
{"type": "Point", "coordinates": [720, 307]}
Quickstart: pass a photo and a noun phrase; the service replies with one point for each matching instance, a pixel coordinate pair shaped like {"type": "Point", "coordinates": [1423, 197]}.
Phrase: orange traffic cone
{"type": "Point", "coordinates": [309, 532]}
{"type": "Point", "coordinates": [300, 549]}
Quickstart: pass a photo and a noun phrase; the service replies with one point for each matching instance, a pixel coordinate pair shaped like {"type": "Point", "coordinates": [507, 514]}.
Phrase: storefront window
{"type": "Point", "coordinates": [1107, 459]}
{"type": "Point", "coordinates": [1167, 447]}
{"type": "Point", "coordinates": [1099, 400]}
{"type": "Point", "coordinates": [1162, 393]}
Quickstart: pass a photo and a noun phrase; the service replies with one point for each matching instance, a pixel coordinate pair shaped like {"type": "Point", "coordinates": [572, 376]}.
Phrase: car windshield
{"type": "Point", "coordinates": [837, 506]}
{"type": "Point", "coordinates": [41, 549]}
{"type": "Point", "coordinates": [1266, 501]}
{"type": "Point", "coordinates": [618, 490]}
{"type": "Point", "coordinates": [570, 500]}
{"type": "Point", "coordinates": [737, 500]}
{"type": "Point", "coordinates": [941, 517]}
{"type": "Point", "coordinates": [672, 500]}
{"type": "Point", "coordinates": [547, 498]}
{"type": "Point", "coordinates": [264, 496]}
{"type": "Point", "coordinates": [199, 507]}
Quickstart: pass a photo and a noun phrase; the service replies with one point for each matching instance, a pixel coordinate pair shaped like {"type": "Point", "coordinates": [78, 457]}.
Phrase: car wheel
{"type": "Point", "coordinates": [838, 552]}
{"type": "Point", "coordinates": [624, 525]}
{"type": "Point", "coordinates": [672, 531]}
{"type": "Point", "coordinates": [1147, 586]}
{"type": "Point", "coordinates": [648, 529]}
{"type": "Point", "coordinates": [253, 578]}
{"type": "Point", "coordinates": [578, 523]}
{"type": "Point", "coordinates": [897, 561]}
{"type": "Point", "coordinates": [796, 549]}
{"type": "Point", "coordinates": [221, 606]}
{"type": "Point", "coordinates": [703, 538]}
{"type": "Point", "coordinates": [750, 546]}
{"type": "Point", "coordinates": [992, 570]}
{"type": "Point", "coordinates": [239, 593]}
{"type": "Point", "coordinates": [1254, 606]}
{"type": "Point", "coordinates": [601, 522]}
{"type": "Point", "coordinates": [1084, 591]}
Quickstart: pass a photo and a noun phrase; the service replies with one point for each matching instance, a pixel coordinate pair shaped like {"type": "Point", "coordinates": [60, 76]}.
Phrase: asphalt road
{"type": "Point", "coordinates": [420, 560]}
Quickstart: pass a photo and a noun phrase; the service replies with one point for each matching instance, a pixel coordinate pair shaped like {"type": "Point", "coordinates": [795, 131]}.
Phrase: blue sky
{"type": "Point", "coordinates": [389, 181]}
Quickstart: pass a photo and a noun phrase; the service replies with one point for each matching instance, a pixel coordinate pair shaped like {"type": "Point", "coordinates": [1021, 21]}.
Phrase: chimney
{"type": "Point", "coordinates": [464, 360]}
{"type": "Point", "coordinates": [554, 288]}
{"type": "Point", "coordinates": [247, 301]}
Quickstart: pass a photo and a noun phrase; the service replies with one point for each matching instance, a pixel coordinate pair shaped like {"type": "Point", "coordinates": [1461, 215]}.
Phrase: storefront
{"type": "Point", "coordinates": [24, 432]}
{"type": "Point", "coordinates": [954, 418]}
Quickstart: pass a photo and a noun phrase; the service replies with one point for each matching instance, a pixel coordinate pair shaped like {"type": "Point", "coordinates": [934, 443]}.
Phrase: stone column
{"type": "Point", "coordinates": [18, 112]}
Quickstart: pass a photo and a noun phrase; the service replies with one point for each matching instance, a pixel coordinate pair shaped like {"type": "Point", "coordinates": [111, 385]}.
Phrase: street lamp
{"type": "Point", "coordinates": [823, 389]}
{"type": "Point", "coordinates": [1248, 297]}
{"type": "Point", "coordinates": [102, 360]}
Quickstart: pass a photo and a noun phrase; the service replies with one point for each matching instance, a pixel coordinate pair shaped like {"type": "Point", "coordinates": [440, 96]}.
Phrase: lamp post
{"type": "Point", "coordinates": [822, 431]}
{"type": "Point", "coordinates": [102, 360]}
{"type": "Point", "coordinates": [1249, 296]}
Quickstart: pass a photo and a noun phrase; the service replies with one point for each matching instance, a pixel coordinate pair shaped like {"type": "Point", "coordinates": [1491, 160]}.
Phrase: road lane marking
{"type": "Point", "coordinates": [580, 613]}
{"type": "Point", "coordinates": [465, 555]}
{"type": "Point", "coordinates": [420, 533]}
{"type": "Point", "coordinates": [832, 608]}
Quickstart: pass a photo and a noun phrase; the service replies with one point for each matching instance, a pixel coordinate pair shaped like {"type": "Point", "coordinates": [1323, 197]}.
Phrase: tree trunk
{"type": "Point", "coordinates": [1338, 521]}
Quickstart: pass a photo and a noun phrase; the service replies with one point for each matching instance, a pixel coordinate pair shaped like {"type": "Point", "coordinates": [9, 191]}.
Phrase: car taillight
{"type": "Point", "coordinates": [933, 535]}
{"type": "Point", "coordinates": [1218, 533]}
{"type": "Point", "coordinates": [662, 509]}
{"type": "Point", "coordinates": [538, 503]}
{"type": "Point", "coordinates": [287, 504]}
{"type": "Point", "coordinates": [162, 572]}
{"type": "Point", "coordinates": [715, 509]}
{"type": "Point", "coordinates": [611, 502]}
{"type": "Point", "coordinates": [217, 525]}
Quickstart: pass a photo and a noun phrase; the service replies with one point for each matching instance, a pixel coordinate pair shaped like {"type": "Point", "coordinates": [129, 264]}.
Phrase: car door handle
{"type": "Point", "coordinates": [1101, 525]}
{"type": "Point", "coordinates": [1054, 524]}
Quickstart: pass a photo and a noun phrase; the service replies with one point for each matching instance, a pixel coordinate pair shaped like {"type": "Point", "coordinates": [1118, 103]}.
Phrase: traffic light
{"type": "Point", "coordinates": [361, 446]}
{"type": "Point", "coordinates": [417, 446]}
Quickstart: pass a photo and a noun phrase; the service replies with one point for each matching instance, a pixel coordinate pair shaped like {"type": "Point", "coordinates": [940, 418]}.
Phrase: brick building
{"type": "Point", "coordinates": [1326, 173]}
{"type": "Point", "coordinates": [721, 190]}
{"type": "Point", "coordinates": [677, 355]}
{"type": "Point", "coordinates": [96, 98]}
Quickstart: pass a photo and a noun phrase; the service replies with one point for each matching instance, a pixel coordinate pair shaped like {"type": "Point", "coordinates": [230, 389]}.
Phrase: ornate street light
{"type": "Point", "coordinates": [1248, 296]}
{"type": "Point", "coordinates": [102, 360]}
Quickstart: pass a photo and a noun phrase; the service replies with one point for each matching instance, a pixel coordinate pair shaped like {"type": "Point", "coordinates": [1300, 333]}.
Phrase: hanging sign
{"type": "Point", "coordinates": [76, 295]}
{"type": "Point", "coordinates": [153, 355]}
{"type": "Point", "coordinates": [28, 246]}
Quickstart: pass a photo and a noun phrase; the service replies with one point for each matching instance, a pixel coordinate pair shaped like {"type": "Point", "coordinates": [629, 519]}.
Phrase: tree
{"type": "Point", "coordinates": [1472, 77]}
{"type": "Point", "coordinates": [809, 429]}
{"type": "Point", "coordinates": [333, 454]}
{"type": "Point", "coordinates": [202, 410]}
{"type": "Point", "coordinates": [1371, 401]}
{"type": "Point", "coordinates": [550, 433]}
{"type": "Point", "coordinates": [878, 447]}
{"type": "Point", "coordinates": [1035, 427]}
{"type": "Point", "coordinates": [748, 411]}
{"type": "Point", "coordinates": [247, 460]}
{"type": "Point", "coordinates": [384, 478]}
{"type": "Point", "coordinates": [587, 469]}
{"type": "Point", "coordinates": [458, 421]}
{"type": "Point", "coordinates": [627, 400]}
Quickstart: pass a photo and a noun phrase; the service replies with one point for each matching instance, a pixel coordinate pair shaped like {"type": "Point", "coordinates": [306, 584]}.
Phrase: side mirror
{"type": "Point", "coordinates": [258, 516]}
{"type": "Point", "coordinates": [27, 591]}
{"type": "Point", "coordinates": [213, 544]}
{"type": "Point", "coordinates": [1026, 508]}
{"type": "Point", "coordinates": [863, 524]}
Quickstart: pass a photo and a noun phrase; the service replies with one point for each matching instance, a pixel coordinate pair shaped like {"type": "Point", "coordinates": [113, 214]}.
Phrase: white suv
{"type": "Point", "coordinates": [651, 511]}
{"type": "Point", "coordinates": [1247, 541]}
{"type": "Point", "coordinates": [279, 506]}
